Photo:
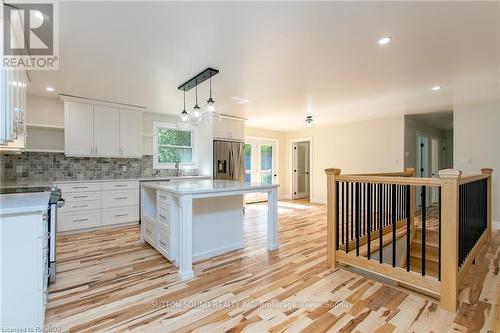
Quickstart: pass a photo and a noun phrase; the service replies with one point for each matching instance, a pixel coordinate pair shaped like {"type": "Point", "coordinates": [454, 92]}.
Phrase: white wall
{"type": "Point", "coordinates": [44, 111]}
{"type": "Point", "coordinates": [368, 146]}
{"type": "Point", "coordinates": [477, 143]}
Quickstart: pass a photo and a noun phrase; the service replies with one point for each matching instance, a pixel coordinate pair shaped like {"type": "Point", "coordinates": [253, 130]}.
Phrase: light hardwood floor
{"type": "Point", "coordinates": [110, 281]}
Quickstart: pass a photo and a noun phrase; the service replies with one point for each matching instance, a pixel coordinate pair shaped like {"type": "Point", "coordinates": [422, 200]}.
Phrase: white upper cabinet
{"type": "Point", "coordinates": [93, 129]}
{"type": "Point", "coordinates": [130, 133]}
{"type": "Point", "coordinates": [106, 131]}
{"type": "Point", "coordinates": [78, 128]}
{"type": "Point", "coordinates": [13, 87]}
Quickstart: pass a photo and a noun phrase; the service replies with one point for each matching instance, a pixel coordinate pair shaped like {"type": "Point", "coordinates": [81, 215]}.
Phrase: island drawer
{"type": "Point", "coordinates": [164, 243]}
{"type": "Point", "coordinates": [120, 215]}
{"type": "Point", "coordinates": [79, 220]}
{"type": "Point", "coordinates": [120, 198]}
{"type": "Point", "coordinates": [79, 205]}
{"type": "Point", "coordinates": [83, 196]}
{"type": "Point", "coordinates": [122, 185]}
{"type": "Point", "coordinates": [149, 232]}
{"type": "Point", "coordinates": [78, 187]}
{"type": "Point", "coordinates": [164, 198]}
{"type": "Point", "coordinates": [164, 214]}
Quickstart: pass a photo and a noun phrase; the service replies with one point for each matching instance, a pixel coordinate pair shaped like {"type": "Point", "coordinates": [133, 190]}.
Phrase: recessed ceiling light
{"type": "Point", "coordinates": [384, 40]}
{"type": "Point", "coordinates": [436, 88]}
{"type": "Point", "coordinates": [50, 89]}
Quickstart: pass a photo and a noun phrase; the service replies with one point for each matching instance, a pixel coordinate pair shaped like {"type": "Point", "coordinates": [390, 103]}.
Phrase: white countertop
{"type": "Point", "coordinates": [24, 202]}
{"type": "Point", "coordinates": [206, 186]}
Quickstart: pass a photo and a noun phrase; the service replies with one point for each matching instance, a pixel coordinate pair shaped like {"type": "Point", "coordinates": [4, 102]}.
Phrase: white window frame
{"type": "Point", "coordinates": [158, 165]}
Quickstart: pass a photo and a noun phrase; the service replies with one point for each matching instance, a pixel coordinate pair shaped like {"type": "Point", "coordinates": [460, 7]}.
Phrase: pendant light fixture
{"type": "Point", "coordinates": [184, 114]}
{"type": "Point", "coordinates": [196, 108]}
{"type": "Point", "coordinates": [210, 101]}
{"type": "Point", "coordinates": [196, 116]}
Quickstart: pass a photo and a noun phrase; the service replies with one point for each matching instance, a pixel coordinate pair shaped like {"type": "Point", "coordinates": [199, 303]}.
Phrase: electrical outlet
{"type": "Point", "coordinates": [19, 168]}
{"type": "Point", "coordinates": [124, 168]}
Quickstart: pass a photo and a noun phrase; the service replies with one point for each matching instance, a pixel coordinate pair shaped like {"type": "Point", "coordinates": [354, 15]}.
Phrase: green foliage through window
{"type": "Point", "coordinates": [174, 146]}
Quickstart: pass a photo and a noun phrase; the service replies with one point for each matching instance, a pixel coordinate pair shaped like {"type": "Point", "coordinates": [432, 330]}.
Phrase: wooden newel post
{"type": "Point", "coordinates": [487, 171]}
{"type": "Point", "coordinates": [331, 229]}
{"type": "Point", "coordinates": [449, 238]}
{"type": "Point", "coordinates": [413, 190]}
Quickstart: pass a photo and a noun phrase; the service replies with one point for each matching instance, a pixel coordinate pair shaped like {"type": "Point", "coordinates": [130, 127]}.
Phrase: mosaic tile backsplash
{"type": "Point", "coordinates": [39, 167]}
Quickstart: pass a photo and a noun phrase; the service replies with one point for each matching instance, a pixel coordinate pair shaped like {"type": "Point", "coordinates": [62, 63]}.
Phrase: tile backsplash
{"type": "Point", "coordinates": [38, 167]}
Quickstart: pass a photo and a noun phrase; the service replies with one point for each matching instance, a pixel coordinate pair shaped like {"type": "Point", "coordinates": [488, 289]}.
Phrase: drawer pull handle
{"type": "Point", "coordinates": [79, 187]}
{"type": "Point", "coordinates": [80, 206]}
{"type": "Point", "coordinates": [120, 185]}
{"type": "Point", "coordinates": [163, 243]}
{"type": "Point", "coordinates": [163, 217]}
{"type": "Point", "coordinates": [80, 220]}
{"type": "Point", "coordinates": [120, 215]}
{"type": "Point", "coordinates": [162, 196]}
{"type": "Point", "coordinates": [121, 198]}
{"type": "Point", "coordinates": [80, 196]}
{"type": "Point", "coordinates": [148, 231]}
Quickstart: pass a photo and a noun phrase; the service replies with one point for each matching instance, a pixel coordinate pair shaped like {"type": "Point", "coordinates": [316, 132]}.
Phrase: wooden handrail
{"type": "Point", "coordinates": [389, 180]}
{"type": "Point", "coordinates": [473, 178]}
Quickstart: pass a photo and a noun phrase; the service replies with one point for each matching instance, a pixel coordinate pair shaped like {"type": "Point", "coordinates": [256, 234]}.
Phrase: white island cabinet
{"type": "Point", "coordinates": [23, 261]}
{"type": "Point", "coordinates": [188, 221]}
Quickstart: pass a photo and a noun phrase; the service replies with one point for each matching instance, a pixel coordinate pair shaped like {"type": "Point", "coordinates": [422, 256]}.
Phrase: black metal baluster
{"type": "Point", "coordinates": [347, 218]}
{"type": "Point", "coordinates": [369, 218]}
{"type": "Point", "coordinates": [352, 210]}
{"type": "Point", "coordinates": [357, 219]}
{"type": "Point", "coordinates": [393, 225]}
{"type": "Point", "coordinates": [408, 229]}
{"type": "Point", "coordinates": [381, 242]}
{"type": "Point", "coordinates": [343, 210]}
{"type": "Point", "coordinates": [424, 208]}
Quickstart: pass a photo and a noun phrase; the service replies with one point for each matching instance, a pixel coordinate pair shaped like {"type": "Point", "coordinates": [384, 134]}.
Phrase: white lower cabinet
{"type": "Point", "coordinates": [24, 271]}
{"type": "Point", "coordinates": [98, 204]}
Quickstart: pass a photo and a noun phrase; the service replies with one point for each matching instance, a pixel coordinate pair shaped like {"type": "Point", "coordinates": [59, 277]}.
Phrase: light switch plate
{"type": "Point", "coordinates": [124, 168]}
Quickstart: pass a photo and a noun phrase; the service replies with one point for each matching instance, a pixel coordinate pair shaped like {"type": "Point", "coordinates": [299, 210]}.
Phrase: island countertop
{"type": "Point", "coordinates": [206, 186]}
{"type": "Point", "coordinates": [24, 202]}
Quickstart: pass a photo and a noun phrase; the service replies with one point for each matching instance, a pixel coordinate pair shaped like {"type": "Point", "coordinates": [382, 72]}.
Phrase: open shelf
{"type": "Point", "coordinates": [43, 126]}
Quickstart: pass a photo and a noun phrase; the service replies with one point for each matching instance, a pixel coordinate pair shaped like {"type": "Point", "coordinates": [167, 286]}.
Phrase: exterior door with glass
{"type": "Point", "coordinates": [260, 165]}
{"type": "Point", "coordinates": [301, 166]}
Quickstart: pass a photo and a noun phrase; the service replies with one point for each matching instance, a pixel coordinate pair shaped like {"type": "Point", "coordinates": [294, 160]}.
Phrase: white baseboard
{"type": "Point", "coordinates": [285, 197]}
{"type": "Point", "coordinates": [216, 252]}
{"type": "Point", "coordinates": [495, 225]}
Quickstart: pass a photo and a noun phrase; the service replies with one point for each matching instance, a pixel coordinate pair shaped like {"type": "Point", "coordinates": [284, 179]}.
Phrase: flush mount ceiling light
{"type": "Point", "coordinates": [197, 115]}
{"type": "Point", "coordinates": [309, 121]}
{"type": "Point", "coordinates": [50, 89]}
{"type": "Point", "coordinates": [436, 88]}
{"type": "Point", "coordinates": [384, 40]}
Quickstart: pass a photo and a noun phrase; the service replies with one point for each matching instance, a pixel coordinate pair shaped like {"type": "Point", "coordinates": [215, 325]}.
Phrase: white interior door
{"type": "Point", "coordinates": [260, 165]}
{"type": "Point", "coordinates": [301, 170]}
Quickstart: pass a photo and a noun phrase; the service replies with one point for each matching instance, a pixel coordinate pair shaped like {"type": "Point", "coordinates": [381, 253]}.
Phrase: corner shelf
{"type": "Point", "coordinates": [42, 126]}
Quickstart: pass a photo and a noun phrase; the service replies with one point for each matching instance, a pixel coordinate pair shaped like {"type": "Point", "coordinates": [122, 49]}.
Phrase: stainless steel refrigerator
{"type": "Point", "coordinates": [229, 160]}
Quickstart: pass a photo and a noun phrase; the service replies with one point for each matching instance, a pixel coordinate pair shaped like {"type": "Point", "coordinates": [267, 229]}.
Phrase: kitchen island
{"type": "Point", "coordinates": [193, 220]}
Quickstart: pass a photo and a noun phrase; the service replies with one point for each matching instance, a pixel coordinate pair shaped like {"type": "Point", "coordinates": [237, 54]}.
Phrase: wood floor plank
{"type": "Point", "coordinates": [108, 281]}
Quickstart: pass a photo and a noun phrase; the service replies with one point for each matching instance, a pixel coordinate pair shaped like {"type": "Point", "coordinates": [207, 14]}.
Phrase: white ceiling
{"type": "Point", "coordinates": [285, 57]}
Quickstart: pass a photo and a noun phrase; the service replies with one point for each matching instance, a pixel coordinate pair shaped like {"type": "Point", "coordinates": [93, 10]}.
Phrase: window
{"type": "Point", "coordinates": [172, 145]}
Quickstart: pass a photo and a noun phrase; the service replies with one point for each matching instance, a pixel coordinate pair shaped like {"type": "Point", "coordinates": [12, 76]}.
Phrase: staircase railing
{"type": "Point", "coordinates": [371, 223]}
